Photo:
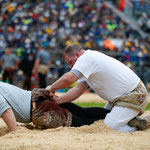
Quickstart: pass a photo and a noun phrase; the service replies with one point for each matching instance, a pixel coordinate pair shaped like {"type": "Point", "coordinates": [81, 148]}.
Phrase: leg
{"type": "Point", "coordinates": [27, 82]}
{"type": "Point", "coordinates": [42, 80]}
{"type": "Point", "coordinates": [147, 118]}
{"type": "Point", "coordinates": [80, 121]}
{"type": "Point", "coordinates": [91, 112]}
{"type": "Point", "coordinates": [139, 123]}
{"type": "Point", "coordinates": [108, 106]}
{"type": "Point", "coordinates": [11, 78]}
{"type": "Point", "coordinates": [50, 115]}
{"type": "Point", "coordinates": [84, 116]}
{"type": "Point", "coordinates": [5, 74]}
{"type": "Point", "coordinates": [119, 117]}
{"type": "Point", "coordinates": [10, 75]}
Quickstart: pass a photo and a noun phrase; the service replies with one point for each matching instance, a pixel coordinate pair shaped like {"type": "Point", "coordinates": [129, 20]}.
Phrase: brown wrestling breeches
{"type": "Point", "coordinates": [48, 114]}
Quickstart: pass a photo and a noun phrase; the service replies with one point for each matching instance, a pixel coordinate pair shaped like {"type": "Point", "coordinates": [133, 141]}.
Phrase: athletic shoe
{"type": "Point", "coordinates": [139, 123]}
{"type": "Point", "coordinates": [147, 118]}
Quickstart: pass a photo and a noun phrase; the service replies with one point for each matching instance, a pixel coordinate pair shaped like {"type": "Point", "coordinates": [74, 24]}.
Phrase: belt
{"type": "Point", "coordinates": [31, 108]}
{"type": "Point", "coordinates": [35, 104]}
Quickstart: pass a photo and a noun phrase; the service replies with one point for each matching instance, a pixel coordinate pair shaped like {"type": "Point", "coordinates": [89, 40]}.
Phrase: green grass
{"type": "Point", "coordinates": [147, 107]}
{"type": "Point", "coordinates": [90, 104]}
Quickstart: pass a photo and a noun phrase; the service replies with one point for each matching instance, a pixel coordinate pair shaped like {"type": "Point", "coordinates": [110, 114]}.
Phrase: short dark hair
{"type": "Point", "coordinates": [70, 49]}
{"type": "Point", "coordinates": [7, 48]}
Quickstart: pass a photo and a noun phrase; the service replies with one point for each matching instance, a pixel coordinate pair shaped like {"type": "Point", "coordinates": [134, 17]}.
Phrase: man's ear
{"type": "Point", "coordinates": [76, 54]}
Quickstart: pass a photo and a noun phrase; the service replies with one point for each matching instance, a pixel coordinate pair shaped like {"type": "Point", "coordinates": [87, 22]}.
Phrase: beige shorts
{"type": "Point", "coordinates": [136, 99]}
{"type": "Point", "coordinates": [43, 69]}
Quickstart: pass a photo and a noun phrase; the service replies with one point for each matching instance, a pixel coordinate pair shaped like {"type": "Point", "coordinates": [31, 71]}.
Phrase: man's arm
{"type": "Point", "coordinates": [49, 64]}
{"type": "Point", "coordinates": [65, 81]}
{"type": "Point", "coordinates": [2, 62]}
{"type": "Point", "coordinates": [72, 94]}
{"type": "Point", "coordinates": [36, 64]}
{"type": "Point", "coordinates": [16, 64]}
{"type": "Point", "coordinates": [10, 119]}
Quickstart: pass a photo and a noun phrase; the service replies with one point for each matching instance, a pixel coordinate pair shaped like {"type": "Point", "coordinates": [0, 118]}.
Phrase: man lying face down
{"type": "Point", "coordinates": [38, 106]}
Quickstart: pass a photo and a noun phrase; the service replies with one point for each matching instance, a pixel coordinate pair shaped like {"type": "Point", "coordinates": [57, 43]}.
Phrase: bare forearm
{"type": "Point", "coordinates": [37, 62]}
{"type": "Point", "coordinates": [49, 64]}
{"type": "Point", "coordinates": [17, 64]}
{"type": "Point", "coordinates": [65, 81]}
{"type": "Point", "coordinates": [71, 95]}
{"type": "Point", "coordinates": [60, 84]}
{"type": "Point", "coordinates": [10, 120]}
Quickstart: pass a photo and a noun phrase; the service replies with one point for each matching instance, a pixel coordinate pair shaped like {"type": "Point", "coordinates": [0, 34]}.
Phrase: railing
{"type": "Point", "coordinates": [141, 6]}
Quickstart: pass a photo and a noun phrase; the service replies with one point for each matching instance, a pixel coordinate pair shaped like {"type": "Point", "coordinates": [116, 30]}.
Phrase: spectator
{"type": "Point", "coordinates": [42, 65]}
{"type": "Point", "coordinates": [56, 24]}
{"type": "Point", "coordinates": [26, 65]}
{"type": "Point", "coordinates": [9, 64]}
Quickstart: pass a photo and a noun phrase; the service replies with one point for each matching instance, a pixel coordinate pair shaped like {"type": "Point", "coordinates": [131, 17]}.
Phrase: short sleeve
{"type": "Point", "coordinates": [77, 73]}
{"type": "Point", "coordinates": [86, 65]}
{"type": "Point", "coordinates": [15, 58]}
{"type": "Point", "coordinates": [3, 105]}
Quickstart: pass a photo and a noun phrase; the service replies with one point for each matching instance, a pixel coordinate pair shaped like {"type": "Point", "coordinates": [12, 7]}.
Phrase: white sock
{"type": "Point", "coordinates": [127, 128]}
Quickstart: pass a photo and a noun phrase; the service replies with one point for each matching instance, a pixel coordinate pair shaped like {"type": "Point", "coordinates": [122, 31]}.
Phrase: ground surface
{"type": "Point", "coordinates": [94, 137]}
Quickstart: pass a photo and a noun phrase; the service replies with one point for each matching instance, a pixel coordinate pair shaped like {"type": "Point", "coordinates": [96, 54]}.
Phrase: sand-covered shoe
{"type": "Point", "coordinates": [139, 123]}
{"type": "Point", "coordinates": [147, 118]}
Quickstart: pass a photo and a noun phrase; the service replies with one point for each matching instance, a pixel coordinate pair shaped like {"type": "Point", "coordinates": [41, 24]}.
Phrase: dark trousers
{"type": "Point", "coordinates": [8, 73]}
{"type": "Point", "coordinates": [84, 116]}
{"type": "Point", "coordinates": [81, 115]}
{"type": "Point", "coordinates": [42, 80]}
{"type": "Point", "coordinates": [27, 82]}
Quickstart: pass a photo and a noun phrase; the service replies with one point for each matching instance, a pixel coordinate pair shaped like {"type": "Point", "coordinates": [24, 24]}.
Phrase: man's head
{"type": "Point", "coordinates": [40, 48]}
{"type": "Point", "coordinates": [72, 53]}
{"type": "Point", "coordinates": [7, 51]}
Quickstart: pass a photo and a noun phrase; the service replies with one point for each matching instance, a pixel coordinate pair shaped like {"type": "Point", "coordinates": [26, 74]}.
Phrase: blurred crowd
{"type": "Point", "coordinates": [54, 24]}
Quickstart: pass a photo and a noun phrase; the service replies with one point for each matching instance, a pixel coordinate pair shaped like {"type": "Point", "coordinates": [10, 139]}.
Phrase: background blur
{"type": "Point", "coordinates": [119, 28]}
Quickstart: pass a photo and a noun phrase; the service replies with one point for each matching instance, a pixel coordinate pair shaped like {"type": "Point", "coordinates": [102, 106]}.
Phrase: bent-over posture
{"type": "Point", "coordinates": [18, 105]}
{"type": "Point", "coordinates": [110, 79]}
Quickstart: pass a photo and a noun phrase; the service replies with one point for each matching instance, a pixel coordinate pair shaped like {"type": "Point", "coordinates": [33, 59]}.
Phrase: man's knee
{"type": "Point", "coordinates": [113, 123]}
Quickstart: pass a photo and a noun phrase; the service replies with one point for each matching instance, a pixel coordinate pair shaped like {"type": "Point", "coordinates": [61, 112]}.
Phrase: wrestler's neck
{"type": "Point", "coordinates": [81, 52]}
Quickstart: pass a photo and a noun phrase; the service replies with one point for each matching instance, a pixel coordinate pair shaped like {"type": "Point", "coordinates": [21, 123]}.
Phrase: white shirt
{"type": "Point", "coordinates": [108, 77]}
